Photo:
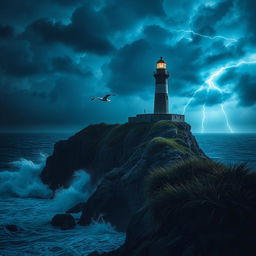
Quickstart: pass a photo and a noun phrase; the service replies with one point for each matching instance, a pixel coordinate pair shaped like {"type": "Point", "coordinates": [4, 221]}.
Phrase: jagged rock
{"type": "Point", "coordinates": [63, 221]}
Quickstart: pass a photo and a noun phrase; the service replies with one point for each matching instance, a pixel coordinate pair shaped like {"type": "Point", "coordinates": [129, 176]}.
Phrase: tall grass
{"type": "Point", "coordinates": [157, 144]}
{"type": "Point", "coordinates": [201, 198]}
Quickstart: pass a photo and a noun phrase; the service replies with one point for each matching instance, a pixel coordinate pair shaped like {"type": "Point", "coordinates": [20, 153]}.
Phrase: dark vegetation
{"type": "Point", "coordinates": [211, 206]}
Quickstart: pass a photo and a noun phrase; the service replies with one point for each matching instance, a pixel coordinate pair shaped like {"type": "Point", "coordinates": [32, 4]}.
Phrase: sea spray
{"type": "Point", "coordinates": [77, 192]}
{"type": "Point", "coordinates": [24, 181]}
{"type": "Point", "coordinates": [33, 214]}
{"type": "Point", "coordinates": [38, 237]}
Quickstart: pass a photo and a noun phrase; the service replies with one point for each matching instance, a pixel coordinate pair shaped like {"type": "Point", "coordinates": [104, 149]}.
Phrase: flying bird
{"type": "Point", "coordinates": [105, 98]}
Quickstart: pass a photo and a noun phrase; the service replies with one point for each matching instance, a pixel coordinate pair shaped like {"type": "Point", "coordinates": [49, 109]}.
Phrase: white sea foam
{"type": "Point", "coordinates": [26, 202]}
{"type": "Point", "coordinates": [77, 192]}
{"type": "Point", "coordinates": [24, 181]}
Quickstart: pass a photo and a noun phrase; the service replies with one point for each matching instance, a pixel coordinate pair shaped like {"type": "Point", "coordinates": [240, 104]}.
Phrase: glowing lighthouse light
{"type": "Point", "coordinates": [161, 64]}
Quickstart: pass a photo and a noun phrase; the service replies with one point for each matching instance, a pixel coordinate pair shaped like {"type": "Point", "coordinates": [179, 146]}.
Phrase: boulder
{"type": "Point", "coordinates": [63, 221]}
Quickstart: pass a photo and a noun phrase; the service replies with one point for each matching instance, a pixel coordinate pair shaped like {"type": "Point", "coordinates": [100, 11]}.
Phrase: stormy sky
{"type": "Point", "coordinates": [56, 54]}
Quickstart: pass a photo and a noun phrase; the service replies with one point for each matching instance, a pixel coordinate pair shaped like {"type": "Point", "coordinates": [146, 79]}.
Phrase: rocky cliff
{"type": "Point", "coordinates": [193, 208]}
{"type": "Point", "coordinates": [120, 157]}
{"type": "Point", "coordinates": [96, 149]}
{"type": "Point", "coordinates": [154, 183]}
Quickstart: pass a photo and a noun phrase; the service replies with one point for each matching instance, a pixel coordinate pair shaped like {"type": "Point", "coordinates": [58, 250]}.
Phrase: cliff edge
{"type": "Point", "coordinates": [118, 158]}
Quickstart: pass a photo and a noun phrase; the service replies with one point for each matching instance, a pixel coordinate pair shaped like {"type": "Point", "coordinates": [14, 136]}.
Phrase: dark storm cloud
{"type": "Point", "coordinates": [244, 83]}
{"type": "Point", "coordinates": [208, 16]}
{"type": "Point", "coordinates": [130, 69]}
{"type": "Point", "coordinates": [6, 31]}
{"type": "Point", "coordinates": [55, 54]}
{"type": "Point", "coordinates": [66, 65]}
{"type": "Point", "coordinates": [133, 65]}
{"type": "Point", "coordinates": [122, 14]}
{"type": "Point", "coordinates": [246, 89]}
{"type": "Point", "coordinates": [247, 10]}
{"type": "Point", "coordinates": [210, 98]}
{"type": "Point", "coordinates": [64, 100]}
{"type": "Point", "coordinates": [16, 59]}
{"type": "Point", "coordinates": [20, 13]}
{"type": "Point", "coordinates": [155, 32]}
{"type": "Point", "coordinates": [81, 35]}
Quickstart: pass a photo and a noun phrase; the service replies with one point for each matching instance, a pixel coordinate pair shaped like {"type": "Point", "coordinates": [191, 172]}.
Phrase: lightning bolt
{"type": "Point", "coordinates": [211, 85]}
{"type": "Point", "coordinates": [210, 81]}
{"type": "Point", "coordinates": [226, 118]}
{"type": "Point", "coordinates": [191, 98]}
{"type": "Point", "coordinates": [206, 36]}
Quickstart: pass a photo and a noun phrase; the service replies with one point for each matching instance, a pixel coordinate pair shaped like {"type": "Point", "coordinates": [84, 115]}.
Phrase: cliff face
{"type": "Point", "coordinates": [96, 149]}
{"type": "Point", "coordinates": [120, 156]}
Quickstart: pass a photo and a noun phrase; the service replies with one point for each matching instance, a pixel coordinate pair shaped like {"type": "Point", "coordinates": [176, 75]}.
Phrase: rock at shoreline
{"type": "Point", "coordinates": [63, 221]}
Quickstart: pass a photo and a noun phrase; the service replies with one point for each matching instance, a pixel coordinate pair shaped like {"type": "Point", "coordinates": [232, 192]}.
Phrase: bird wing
{"type": "Point", "coordinates": [95, 98]}
{"type": "Point", "coordinates": [107, 95]}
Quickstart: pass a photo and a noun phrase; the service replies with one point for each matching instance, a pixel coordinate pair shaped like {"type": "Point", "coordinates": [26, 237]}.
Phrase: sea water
{"type": "Point", "coordinates": [27, 203]}
{"type": "Point", "coordinates": [30, 205]}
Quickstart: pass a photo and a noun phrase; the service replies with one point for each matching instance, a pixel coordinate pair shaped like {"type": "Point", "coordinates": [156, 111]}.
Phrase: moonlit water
{"type": "Point", "coordinates": [30, 205]}
{"type": "Point", "coordinates": [25, 201]}
{"type": "Point", "coordinates": [229, 148]}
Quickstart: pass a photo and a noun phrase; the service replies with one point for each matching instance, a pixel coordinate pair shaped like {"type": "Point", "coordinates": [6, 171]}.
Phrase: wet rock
{"type": "Point", "coordinates": [63, 221]}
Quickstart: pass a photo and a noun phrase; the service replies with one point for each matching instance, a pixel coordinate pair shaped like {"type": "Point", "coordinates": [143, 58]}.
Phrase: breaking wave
{"type": "Point", "coordinates": [24, 182]}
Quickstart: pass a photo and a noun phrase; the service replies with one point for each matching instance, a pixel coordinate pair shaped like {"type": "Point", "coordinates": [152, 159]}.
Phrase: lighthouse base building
{"type": "Point", "coordinates": [147, 118]}
{"type": "Point", "coordinates": [161, 102]}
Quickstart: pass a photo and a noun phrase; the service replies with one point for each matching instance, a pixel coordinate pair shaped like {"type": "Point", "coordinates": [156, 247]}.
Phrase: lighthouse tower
{"type": "Point", "coordinates": [161, 106]}
{"type": "Point", "coordinates": [161, 75]}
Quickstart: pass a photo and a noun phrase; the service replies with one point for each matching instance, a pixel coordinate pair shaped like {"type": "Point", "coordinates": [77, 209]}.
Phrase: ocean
{"type": "Point", "coordinates": [27, 203]}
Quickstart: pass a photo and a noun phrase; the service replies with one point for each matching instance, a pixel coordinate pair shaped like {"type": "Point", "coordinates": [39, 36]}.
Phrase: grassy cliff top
{"type": "Point", "coordinates": [203, 197]}
{"type": "Point", "coordinates": [101, 147]}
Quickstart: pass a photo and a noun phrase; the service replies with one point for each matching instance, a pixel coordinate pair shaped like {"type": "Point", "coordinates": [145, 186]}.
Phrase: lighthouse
{"type": "Point", "coordinates": [161, 75]}
{"type": "Point", "coordinates": [161, 105]}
